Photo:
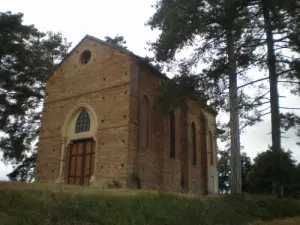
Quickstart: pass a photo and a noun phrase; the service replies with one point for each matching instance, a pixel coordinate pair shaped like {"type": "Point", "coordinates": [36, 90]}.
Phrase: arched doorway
{"type": "Point", "coordinates": [78, 153]}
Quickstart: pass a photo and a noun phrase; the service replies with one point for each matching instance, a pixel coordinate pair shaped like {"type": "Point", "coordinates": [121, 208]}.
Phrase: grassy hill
{"type": "Point", "coordinates": [293, 221]}
{"type": "Point", "coordinates": [66, 205]}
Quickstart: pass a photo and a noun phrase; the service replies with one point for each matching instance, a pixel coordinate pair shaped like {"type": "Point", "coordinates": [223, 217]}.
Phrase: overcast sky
{"type": "Point", "coordinates": [74, 19]}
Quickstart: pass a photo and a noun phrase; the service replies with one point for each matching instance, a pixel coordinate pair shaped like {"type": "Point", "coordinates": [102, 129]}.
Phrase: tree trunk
{"type": "Point", "coordinates": [236, 178]}
{"type": "Point", "coordinates": [274, 97]}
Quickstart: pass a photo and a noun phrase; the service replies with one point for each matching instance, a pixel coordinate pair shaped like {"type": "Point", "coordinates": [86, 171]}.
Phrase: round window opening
{"type": "Point", "coordinates": [85, 56]}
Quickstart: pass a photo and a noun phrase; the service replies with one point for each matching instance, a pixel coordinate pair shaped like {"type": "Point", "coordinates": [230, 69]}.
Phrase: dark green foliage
{"type": "Point", "coordinates": [173, 93]}
{"type": "Point", "coordinates": [291, 120]}
{"type": "Point", "coordinates": [33, 207]}
{"type": "Point", "coordinates": [246, 168]}
{"type": "Point", "coordinates": [257, 177]}
{"type": "Point", "coordinates": [225, 171]}
{"type": "Point", "coordinates": [285, 172]}
{"type": "Point", "coordinates": [24, 171]}
{"type": "Point", "coordinates": [117, 40]}
{"type": "Point", "coordinates": [114, 184]}
{"type": "Point", "coordinates": [27, 58]}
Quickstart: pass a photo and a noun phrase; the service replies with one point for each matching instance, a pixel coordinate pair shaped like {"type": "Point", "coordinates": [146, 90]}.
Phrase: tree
{"type": "Point", "coordinates": [272, 14]}
{"type": "Point", "coordinates": [291, 120]}
{"type": "Point", "coordinates": [246, 168]}
{"type": "Point", "coordinates": [117, 40]}
{"type": "Point", "coordinates": [217, 31]}
{"type": "Point", "coordinates": [277, 25]}
{"type": "Point", "coordinates": [225, 171]}
{"type": "Point", "coordinates": [262, 174]}
{"type": "Point", "coordinates": [27, 57]}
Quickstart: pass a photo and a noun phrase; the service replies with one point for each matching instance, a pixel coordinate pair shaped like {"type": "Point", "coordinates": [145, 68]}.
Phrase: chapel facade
{"type": "Point", "coordinates": [99, 125]}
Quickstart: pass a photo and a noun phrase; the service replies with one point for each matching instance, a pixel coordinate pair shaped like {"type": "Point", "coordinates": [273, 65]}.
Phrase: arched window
{"type": "Point", "coordinates": [172, 134]}
{"type": "Point", "coordinates": [83, 122]}
{"type": "Point", "coordinates": [211, 149]}
{"type": "Point", "coordinates": [145, 122]}
{"type": "Point", "coordinates": [203, 137]}
{"type": "Point", "coordinates": [194, 147]}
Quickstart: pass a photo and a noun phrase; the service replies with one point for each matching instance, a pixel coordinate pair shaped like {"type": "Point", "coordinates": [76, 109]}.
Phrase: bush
{"type": "Point", "coordinates": [41, 207]}
{"type": "Point", "coordinates": [114, 184]}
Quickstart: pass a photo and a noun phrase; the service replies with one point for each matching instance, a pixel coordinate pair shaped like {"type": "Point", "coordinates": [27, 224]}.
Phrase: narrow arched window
{"type": "Point", "coordinates": [203, 146]}
{"type": "Point", "coordinates": [211, 149]}
{"type": "Point", "coordinates": [83, 122]}
{"type": "Point", "coordinates": [145, 116]}
{"type": "Point", "coordinates": [172, 134]}
{"type": "Point", "coordinates": [194, 147]}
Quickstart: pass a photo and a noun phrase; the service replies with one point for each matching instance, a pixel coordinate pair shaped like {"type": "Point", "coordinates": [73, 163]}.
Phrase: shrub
{"type": "Point", "coordinates": [104, 208]}
{"type": "Point", "coordinates": [114, 184]}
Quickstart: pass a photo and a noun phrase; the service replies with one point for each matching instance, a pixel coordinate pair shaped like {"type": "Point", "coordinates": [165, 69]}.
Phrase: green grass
{"type": "Point", "coordinates": [291, 221]}
{"type": "Point", "coordinates": [35, 207]}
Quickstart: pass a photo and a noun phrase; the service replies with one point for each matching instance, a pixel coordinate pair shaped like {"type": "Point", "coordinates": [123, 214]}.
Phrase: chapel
{"type": "Point", "coordinates": [99, 126]}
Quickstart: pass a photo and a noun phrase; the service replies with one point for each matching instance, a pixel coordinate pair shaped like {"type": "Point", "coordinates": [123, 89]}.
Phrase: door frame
{"type": "Point", "coordinates": [92, 156]}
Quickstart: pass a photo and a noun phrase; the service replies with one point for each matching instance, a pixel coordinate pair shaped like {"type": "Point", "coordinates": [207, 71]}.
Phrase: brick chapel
{"type": "Point", "coordinates": [98, 125]}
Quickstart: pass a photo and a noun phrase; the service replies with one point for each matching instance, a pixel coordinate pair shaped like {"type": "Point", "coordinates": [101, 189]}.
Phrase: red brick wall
{"type": "Point", "coordinates": [104, 84]}
{"type": "Point", "coordinates": [113, 85]}
{"type": "Point", "coordinates": [156, 168]}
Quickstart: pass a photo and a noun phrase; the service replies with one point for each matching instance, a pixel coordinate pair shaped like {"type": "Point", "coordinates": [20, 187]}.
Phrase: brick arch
{"type": "Point", "coordinates": [69, 135]}
{"type": "Point", "coordinates": [68, 132]}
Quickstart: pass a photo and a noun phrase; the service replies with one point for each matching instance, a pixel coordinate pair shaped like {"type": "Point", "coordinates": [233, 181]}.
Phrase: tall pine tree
{"type": "Point", "coordinates": [276, 23]}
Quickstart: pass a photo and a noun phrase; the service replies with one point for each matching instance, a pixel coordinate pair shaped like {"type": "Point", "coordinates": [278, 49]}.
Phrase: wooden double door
{"type": "Point", "coordinates": [81, 162]}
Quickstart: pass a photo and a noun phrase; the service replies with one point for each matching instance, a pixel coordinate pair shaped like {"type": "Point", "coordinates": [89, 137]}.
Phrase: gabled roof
{"type": "Point", "coordinates": [138, 59]}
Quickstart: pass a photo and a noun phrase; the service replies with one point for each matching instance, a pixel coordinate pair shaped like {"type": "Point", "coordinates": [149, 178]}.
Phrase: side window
{"type": "Point", "coordinates": [145, 116]}
{"type": "Point", "coordinates": [194, 147]}
{"type": "Point", "coordinates": [211, 149]}
{"type": "Point", "coordinates": [172, 134]}
{"type": "Point", "coordinates": [203, 144]}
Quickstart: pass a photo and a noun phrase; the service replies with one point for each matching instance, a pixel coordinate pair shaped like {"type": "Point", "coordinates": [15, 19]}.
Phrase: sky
{"type": "Point", "coordinates": [100, 18]}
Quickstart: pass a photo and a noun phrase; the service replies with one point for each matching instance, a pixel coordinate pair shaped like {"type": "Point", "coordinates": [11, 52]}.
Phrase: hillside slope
{"type": "Point", "coordinates": [290, 221]}
{"type": "Point", "coordinates": [35, 207]}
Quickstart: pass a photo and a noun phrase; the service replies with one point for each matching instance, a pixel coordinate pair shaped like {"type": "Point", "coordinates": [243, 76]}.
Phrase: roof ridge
{"type": "Point", "coordinates": [115, 46]}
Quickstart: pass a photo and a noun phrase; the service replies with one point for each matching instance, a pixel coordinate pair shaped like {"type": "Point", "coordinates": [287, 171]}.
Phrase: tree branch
{"type": "Point", "coordinates": [286, 81]}
{"type": "Point", "coordinates": [262, 79]}
{"type": "Point", "coordinates": [289, 108]}
{"type": "Point", "coordinates": [252, 121]}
